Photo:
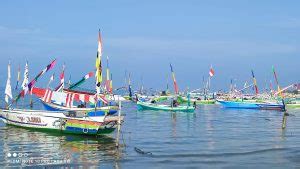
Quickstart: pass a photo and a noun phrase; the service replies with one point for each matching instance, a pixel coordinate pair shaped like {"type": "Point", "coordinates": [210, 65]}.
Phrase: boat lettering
{"type": "Point", "coordinates": [34, 119]}
{"type": "Point", "coordinates": [20, 118]}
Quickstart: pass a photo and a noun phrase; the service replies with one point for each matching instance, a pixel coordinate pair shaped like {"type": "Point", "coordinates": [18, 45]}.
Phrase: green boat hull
{"type": "Point", "coordinates": [150, 106]}
{"type": "Point", "coordinates": [57, 131]}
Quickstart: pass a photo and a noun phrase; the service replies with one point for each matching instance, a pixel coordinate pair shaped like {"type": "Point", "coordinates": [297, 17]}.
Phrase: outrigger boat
{"type": "Point", "coordinates": [63, 122]}
{"type": "Point", "coordinates": [154, 106]}
{"type": "Point", "coordinates": [60, 101]}
{"type": "Point", "coordinates": [252, 105]}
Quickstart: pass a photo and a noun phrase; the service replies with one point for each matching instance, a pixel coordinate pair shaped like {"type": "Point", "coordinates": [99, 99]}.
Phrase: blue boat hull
{"type": "Point", "coordinates": [245, 105]}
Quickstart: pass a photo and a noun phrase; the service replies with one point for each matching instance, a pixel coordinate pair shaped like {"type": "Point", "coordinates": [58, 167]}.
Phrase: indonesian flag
{"type": "Point", "coordinates": [211, 72]}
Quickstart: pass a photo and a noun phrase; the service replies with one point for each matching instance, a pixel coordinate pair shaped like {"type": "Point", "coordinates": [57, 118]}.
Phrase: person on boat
{"type": "Point", "coordinates": [175, 103]}
{"type": "Point", "coordinates": [195, 104]}
{"type": "Point", "coordinates": [153, 101]}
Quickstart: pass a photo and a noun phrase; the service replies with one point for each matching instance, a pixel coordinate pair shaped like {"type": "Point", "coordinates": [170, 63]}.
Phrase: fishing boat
{"type": "Point", "coordinates": [162, 107]}
{"type": "Point", "coordinates": [61, 122]}
{"type": "Point", "coordinates": [61, 101]}
{"type": "Point", "coordinates": [293, 104]}
{"type": "Point", "coordinates": [252, 105]}
{"type": "Point", "coordinates": [99, 111]}
{"type": "Point", "coordinates": [198, 101]}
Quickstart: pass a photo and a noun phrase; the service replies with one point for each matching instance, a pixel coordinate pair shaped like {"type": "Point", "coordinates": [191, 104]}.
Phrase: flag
{"type": "Point", "coordinates": [18, 77]}
{"type": "Point", "coordinates": [26, 79]}
{"type": "Point", "coordinates": [254, 82]}
{"type": "Point", "coordinates": [50, 80]}
{"type": "Point", "coordinates": [276, 79]}
{"type": "Point", "coordinates": [174, 80]}
{"type": "Point", "coordinates": [61, 86]}
{"type": "Point", "coordinates": [87, 76]}
{"type": "Point", "coordinates": [32, 82]}
{"type": "Point", "coordinates": [107, 76]}
{"type": "Point", "coordinates": [8, 93]}
{"type": "Point", "coordinates": [110, 84]}
{"type": "Point", "coordinates": [211, 72]}
{"type": "Point", "coordinates": [98, 64]}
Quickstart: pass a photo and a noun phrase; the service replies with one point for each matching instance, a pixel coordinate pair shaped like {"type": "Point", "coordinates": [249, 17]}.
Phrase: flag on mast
{"type": "Point", "coordinates": [98, 64]}
{"type": "Point", "coordinates": [26, 79]}
{"type": "Point", "coordinates": [61, 86]}
{"type": "Point", "coordinates": [87, 76]}
{"type": "Point", "coordinates": [174, 80]}
{"type": "Point", "coordinates": [211, 71]}
{"type": "Point", "coordinates": [276, 79]}
{"type": "Point", "coordinates": [8, 93]}
{"type": "Point", "coordinates": [107, 75]}
{"type": "Point", "coordinates": [18, 77]}
{"type": "Point", "coordinates": [32, 82]}
{"type": "Point", "coordinates": [50, 80]}
{"type": "Point", "coordinates": [254, 82]}
{"type": "Point", "coordinates": [110, 84]}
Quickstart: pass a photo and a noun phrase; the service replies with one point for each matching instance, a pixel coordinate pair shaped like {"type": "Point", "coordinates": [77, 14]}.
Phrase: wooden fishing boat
{"type": "Point", "coordinates": [293, 104]}
{"type": "Point", "coordinates": [99, 111]}
{"type": "Point", "coordinates": [61, 122]}
{"type": "Point", "coordinates": [252, 105]}
{"type": "Point", "coordinates": [192, 100]}
{"type": "Point", "coordinates": [162, 107]}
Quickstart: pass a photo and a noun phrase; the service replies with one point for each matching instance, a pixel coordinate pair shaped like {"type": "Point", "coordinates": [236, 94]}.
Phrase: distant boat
{"type": "Point", "coordinates": [61, 122]}
{"type": "Point", "coordinates": [154, 106]}
{"type": "Point", "coordinates": [252, 105]}
{"type": "Point", "coordinates": [198, 101]}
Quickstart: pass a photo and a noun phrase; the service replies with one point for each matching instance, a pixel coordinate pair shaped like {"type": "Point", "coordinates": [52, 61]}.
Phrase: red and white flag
{"type": "Point", "coordinates": [211, 72]}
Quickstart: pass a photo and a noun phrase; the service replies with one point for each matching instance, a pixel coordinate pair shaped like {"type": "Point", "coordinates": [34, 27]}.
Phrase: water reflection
{"type": "Point", "coordinates": [52, 148]}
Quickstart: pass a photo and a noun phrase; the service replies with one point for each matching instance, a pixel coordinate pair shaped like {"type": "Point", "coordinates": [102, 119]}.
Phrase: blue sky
{"type": "Point", "coordinates": [143, 37]}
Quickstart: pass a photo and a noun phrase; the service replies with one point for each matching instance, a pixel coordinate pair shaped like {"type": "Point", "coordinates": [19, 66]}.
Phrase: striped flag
{"type": "Point", "coordinates": [174, 80]}
{"type": "Point", "coordinates": [31, 84]}
{"type": "Point", "coordinates": [254, 82]}
{"type": "Point", "coordinates": [98, 64]}
{"type": "Point", "coordinates": [87, 76]}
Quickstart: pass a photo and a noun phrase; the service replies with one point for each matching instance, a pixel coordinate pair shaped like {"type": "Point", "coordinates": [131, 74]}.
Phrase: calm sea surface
{"type": "Point", "coordinates": [211, 137]}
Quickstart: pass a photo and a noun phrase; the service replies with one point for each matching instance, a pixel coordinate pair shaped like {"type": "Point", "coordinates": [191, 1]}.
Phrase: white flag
{"type": "Point", "coordinates": [26, 79]}
{"type": "Point", "coordinates": [8, 93]}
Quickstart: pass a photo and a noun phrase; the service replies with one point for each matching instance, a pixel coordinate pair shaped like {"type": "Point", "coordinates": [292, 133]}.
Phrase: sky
{"type": "Point", "coordinates": [144, 37]}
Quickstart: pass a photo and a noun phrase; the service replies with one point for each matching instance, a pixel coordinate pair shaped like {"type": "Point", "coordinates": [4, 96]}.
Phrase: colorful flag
{"type": "Point", "coordinates": [31, 84]}
{"type": "Point", "coordinates": [276, 79]}
{"type": "Point", "coordinates": [26, 79]}
{"type": "Point", "coordinates": [98, 64]}
{"type": "Point", "coordinates": [107, 76]}
{"type": "Point", "coordinates": [174, 80]}
{"type": "Point", "coordinates": [87, 76]}
{"type": "Point", "coordinates": [111, 84]}
{"type": "Point", "coordinates": [254, 82]}
{"type": "Point", "coordinates": [8, 93]}
{"type": "Point", "coordinates": [211, 72]}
